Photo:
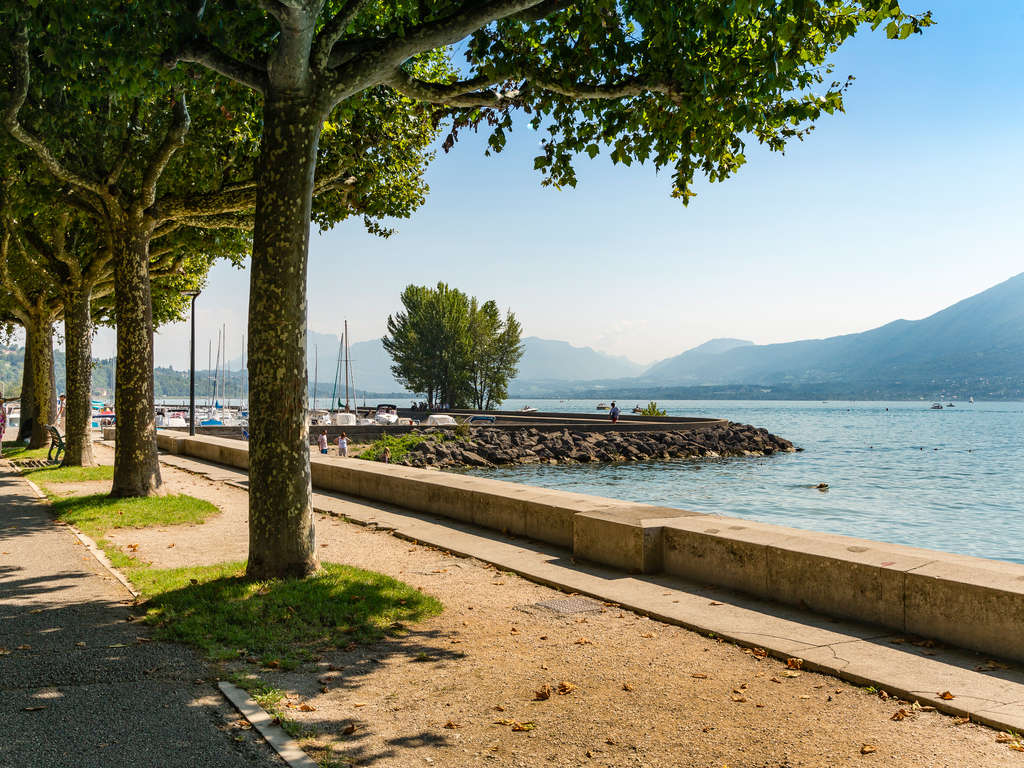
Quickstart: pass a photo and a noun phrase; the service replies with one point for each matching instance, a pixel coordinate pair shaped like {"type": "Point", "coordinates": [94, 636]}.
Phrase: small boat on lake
{"type": "Point", "coordinates": [603, 407]}
{"type": "Point", "coordinates": [527, 409]}
{"type": "Point", "coordinates": [936, 406]}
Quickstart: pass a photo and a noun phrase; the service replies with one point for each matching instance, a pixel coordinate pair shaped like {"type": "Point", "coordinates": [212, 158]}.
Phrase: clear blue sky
{"type": "Point", "coordinates": [909, 202]}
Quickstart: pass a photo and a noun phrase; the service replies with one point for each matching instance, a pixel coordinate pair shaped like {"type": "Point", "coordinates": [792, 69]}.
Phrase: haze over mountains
{"type": "Point", "coordinates": [977, 345]}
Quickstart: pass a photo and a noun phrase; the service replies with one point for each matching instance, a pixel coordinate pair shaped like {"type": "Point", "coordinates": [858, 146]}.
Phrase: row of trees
{"type": "Point", "coordinates": [448, 345]}
{"type": "Point", "coordinates": [149, 138]}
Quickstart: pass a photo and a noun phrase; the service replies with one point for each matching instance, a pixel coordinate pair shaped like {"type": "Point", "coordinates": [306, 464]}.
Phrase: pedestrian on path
{"type": "Point", "coordinates": [3, 424]}
{"type": "Point", "coordinates": [614, 412]}
{"type": "Point", "coordinates": [322, 441]}
{"type": "Point", "coordinates": [343, 444]}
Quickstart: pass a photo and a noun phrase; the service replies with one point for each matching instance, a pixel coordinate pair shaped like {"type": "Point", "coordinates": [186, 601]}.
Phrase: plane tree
{"type": "Point", "coordinates": [682, 85]}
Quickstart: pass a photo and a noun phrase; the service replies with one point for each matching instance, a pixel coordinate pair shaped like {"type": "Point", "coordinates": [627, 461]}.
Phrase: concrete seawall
{"type": "Point", "coordinates": [965, 601]}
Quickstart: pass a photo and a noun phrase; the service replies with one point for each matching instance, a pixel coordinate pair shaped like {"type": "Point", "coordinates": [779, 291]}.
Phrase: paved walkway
{"type": "Point", "coordinates": [989, 692]}
{"type": "Point", "coordinates": [79, 684]}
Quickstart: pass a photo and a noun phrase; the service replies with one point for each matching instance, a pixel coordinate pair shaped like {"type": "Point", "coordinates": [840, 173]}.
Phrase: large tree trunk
{"type": "Point", "coordinates": [281, 534]}
{"type": "Point", "coordinates": [136, 467]}
{"type": "Point", "coordinates": [78, 362]}
{"type": "Point", "coordinates": [27, 390]}
{"type": "Point", "coordinates": [43, 407]}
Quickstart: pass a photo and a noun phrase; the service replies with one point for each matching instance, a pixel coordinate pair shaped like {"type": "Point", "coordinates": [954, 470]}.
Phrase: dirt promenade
{"type": "Point", "coordinates": [499, 680]}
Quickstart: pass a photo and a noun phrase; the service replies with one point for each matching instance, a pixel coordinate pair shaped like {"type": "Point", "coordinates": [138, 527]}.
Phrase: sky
{"type": "Point", "coordinates": [905, 204]}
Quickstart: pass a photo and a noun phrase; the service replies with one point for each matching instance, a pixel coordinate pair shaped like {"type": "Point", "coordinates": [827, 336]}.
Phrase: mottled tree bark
{"type": "Point", "coordinates": [41, 340]}
{"type": "Point", "coordinates": [78, 408]}
{"type": "Point", "coordinates": [27, 389]}
{"type": "Point", "coordinates": [281, 534]}
{"type": "Point", "coordinates": [136, 467]}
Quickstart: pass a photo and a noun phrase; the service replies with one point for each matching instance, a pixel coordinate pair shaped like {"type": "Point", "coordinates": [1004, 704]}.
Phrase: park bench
{"type": "Point", "coordinates": [56, 442]}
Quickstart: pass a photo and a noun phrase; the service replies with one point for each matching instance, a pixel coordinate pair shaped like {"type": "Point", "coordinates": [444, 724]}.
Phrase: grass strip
{"type": "Point", "coordinates": [279, 623]}
{"type": "Point", "coordinates": [58, 474]}
{"type": "Point", "coordinates": [98, 513]}
{"type": "Point", "coordinates": [14, 449]}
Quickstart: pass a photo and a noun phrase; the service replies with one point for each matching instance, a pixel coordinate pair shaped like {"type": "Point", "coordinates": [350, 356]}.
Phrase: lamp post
{"type": "Point", "coordinates": [192, 367]}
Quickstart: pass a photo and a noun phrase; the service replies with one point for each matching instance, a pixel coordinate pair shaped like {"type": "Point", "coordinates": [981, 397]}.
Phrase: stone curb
{"type": "Point", "coordinates": [91, 545]}
{"type": "Point", "coordinates": [275, 736]}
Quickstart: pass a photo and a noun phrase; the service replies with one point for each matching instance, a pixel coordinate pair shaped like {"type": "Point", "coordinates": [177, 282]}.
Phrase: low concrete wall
{"type": "Point", "coordinates": [965, 601]}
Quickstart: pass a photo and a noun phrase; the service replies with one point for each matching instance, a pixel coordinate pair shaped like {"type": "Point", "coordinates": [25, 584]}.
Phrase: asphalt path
{"type": "Point", "coordinates": [81, 684]}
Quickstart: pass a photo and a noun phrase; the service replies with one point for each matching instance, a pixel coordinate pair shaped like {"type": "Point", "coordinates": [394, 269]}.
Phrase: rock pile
{"type": "Point", "coordinates": [488, 447]}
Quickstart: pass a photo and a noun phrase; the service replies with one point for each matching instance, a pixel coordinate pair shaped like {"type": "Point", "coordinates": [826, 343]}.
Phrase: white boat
{"type": "Point", "coordinates": [603, 407]}
{"type": "Point", "coordinates": [387, 414]}
{"type": "Point", "coordinates": [527, 409]}
{"type": "Point", "coordinates": [439, 420]}
{"type": "Point", "coordinates": [971, 401]}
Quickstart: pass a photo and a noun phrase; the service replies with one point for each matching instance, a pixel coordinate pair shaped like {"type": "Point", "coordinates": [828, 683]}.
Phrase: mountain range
{"type": "Point", "coordinates": [976, 344]}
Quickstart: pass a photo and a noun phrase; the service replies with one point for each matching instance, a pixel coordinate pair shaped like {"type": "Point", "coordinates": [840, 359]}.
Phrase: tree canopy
{"type": "Point", "coordinates": [451, 347]}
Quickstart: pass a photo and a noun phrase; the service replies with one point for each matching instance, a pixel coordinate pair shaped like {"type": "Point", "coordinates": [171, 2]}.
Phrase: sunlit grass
{"type": "Point", "coordinates": [281, 622]}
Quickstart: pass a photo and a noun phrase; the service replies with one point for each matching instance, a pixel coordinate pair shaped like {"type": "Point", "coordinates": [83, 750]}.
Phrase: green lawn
{"type": "Point", "coordinates": [99, 513]}
{"type": "Point", "coordinates": [16, 450]}
{"type": "Point", "coordinates": [58, 474]}
{"type": "Point", "coordinates": [281, 622]}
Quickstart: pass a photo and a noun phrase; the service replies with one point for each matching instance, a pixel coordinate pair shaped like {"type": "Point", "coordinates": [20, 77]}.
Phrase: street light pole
{"type": "Point", "coordinates": [192, 368]}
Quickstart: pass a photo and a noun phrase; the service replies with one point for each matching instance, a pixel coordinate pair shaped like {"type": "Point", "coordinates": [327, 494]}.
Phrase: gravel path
{"type": "Point", "coordinates": [80, 685]}
{"type": "Point", "coordinates": [638, 693]}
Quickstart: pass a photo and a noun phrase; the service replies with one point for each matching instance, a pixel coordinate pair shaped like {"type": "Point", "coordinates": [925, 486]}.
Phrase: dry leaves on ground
{"type": "Point", "coordinates": [795, 663]}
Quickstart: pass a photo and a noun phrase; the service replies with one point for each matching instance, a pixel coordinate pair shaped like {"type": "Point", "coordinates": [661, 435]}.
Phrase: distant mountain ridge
{"type": "Point", "coordinates": [980, 337]}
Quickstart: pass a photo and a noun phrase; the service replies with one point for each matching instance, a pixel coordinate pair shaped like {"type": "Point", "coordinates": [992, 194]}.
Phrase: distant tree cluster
{"type": "Point", "coordinates": [448, 345]}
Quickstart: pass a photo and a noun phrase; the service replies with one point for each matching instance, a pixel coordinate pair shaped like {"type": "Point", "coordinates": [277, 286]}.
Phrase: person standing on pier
{"type": "Point", "coordinates": [343, 444]}
{"type": "Point", "coordinates": [322, 441]}
{"type": "Point", "coordinates": [614, 412]}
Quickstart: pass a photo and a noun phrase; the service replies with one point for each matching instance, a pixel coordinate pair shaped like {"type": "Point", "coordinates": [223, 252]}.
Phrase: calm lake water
{"type": "Point", "coordinates": [951, 480]}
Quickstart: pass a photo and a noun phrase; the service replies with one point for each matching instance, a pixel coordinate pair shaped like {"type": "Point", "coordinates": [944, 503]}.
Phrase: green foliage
{"type": "Point", "coordinates": [449, 346]}
{"type": "Point", "coordinates": [398, 444]}
{"type": "Point", "coordinates": [652, 409]}
{"type": "Point", "coordinates": [280, 622]}
{"type": "Point", "coordinates": [98, 513]}
{"type": "Point", "coordinates": [21, 452]}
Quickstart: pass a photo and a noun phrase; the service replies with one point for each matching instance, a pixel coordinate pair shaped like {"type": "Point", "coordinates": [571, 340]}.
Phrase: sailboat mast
{"type": "Point", "coordinates": [209, 369]}
{"type": "Point", "coordinates": [345, 342]}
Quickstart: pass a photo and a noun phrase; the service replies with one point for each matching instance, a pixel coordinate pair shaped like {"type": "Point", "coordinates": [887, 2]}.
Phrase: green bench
{"type": "Point", "coordinates": [56, 442]}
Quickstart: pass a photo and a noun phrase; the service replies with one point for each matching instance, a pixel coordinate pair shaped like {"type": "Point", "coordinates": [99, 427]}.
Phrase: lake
{"type": "Point", "coordinates": [950, 480]}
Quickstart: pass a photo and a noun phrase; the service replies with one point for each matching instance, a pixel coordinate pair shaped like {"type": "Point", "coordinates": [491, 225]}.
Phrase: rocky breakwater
{"type": "Point", "coordinates": [495, 447]}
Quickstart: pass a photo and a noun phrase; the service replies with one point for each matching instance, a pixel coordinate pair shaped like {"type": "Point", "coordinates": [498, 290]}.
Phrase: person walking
{"type": "Point", "coordinates": [322, 441]}
{"type": "Point", "coordinates": [3, 425]}
{"type": "Point", "coordinates": [343, 444]}
{"type": "Point", "coordinates": [614, 412]}
{"type": "Point", "coordinates": [386, 456]}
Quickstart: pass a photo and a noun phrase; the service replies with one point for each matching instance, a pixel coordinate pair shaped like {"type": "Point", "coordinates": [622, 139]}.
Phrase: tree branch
{"type": "Point", "coordinates": [205, 54]}
{"type": "Point", "coordinates": [464, 93]}
{"type": "Point", "coordinates": [332, 32]}
{"type": "Point", "coordinates": [173, 141]}
{"type": "Point", "coordinates": [451, 29]}
{"type": "Point", "coordinates": [10, 119]}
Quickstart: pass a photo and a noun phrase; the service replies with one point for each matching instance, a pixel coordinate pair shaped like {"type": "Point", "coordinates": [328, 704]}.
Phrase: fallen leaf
{"type": "Point", "coordinates": [738, 699]}
{"type": "Point", "coordinates": [714, 602]}
{"type": "Point", "coordinates": [804, 696]}
{"type": "Point", "coordinates": [565, 687]}
{"type": "Point", "coordinates": [946, 695]}
{"type": "Point", "coordinates": [883, 695]}
{"type": "Point", "coordinates": [611, 741]}
{"type": "Point", "coordinates": [170, 545]}
{"type": "Point", "coordinates": [359, 704]}
{"type": "Point", "coordinates": [117, 645]}
{"type": "Point", "coordinates": [899, 714]}
{"type": "Point", "coordinates": [542, 694]}
{"type": "Point", "coordinates": [775, 680]}
{"type": "Point", "coordinates": [790, 673]}
{"type": "Point", "coordinates": [499, 708]}
{"type": "Point", "coordinates": [1004, 738]}
{"type": "Point", "coordinates": [867, 749]}
{"type": "Point", "coordinates": [699, 676]}
{"type": "Point", "coordinates": [543, 637]}
{"type": "Point", "coordinates": [760, 653]}
{"type": "Point", "coordinates": [647, 634]}
{"type": "Point", "coordinates": [451, 725]}
{"type": "Point", "coordinates": [80, 644]}
{"type": "Point", "coordinates": [33, 709]}
{"type": "Point", "coordinates": [583, 641]}
{"type": "Point", "coordinates": [708, 728]}
{"type": "Point", "coordinates": [627, 687]}
{"type": "Point", "coordinates": [24, 647]}
{"type": "Point", "coordinates": [795, 663]}
{"type": "Point", "coordinates": [961, 720]}
{"type": "Point", "coordinates": [37, 610]}
{"type": "Point", "coordinates": [307, 708]}
{"type": "Point", "coordinates": [527, 726]}
{"type": "Point", "coordinates": [349, 729]}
